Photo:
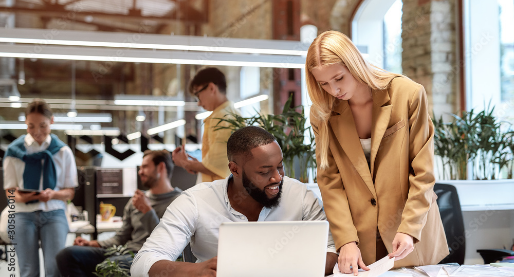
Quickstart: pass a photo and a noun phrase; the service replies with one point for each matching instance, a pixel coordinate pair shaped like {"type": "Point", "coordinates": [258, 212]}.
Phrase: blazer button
{"type": "Point", "coordinates": [373, 202]}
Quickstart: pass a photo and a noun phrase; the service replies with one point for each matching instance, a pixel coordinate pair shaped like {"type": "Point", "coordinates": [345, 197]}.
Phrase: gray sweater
{"type": "Point", "coordinates": [137, 226]}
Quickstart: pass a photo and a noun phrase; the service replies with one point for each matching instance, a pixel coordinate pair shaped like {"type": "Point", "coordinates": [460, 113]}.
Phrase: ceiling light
{"type": "Point", "coordinates": [150, 56]}
{"type": "Point", "coordinates": [79, 118]}
{"type": "Point", "coordinates": [14, 98]}
{"type": "Point", "coordinates": [72, 113]}
{"type": "Point", "coordinates": [203, 115]}
{"type": "Point", "coordinates": [106, 132]}
{"type": "Point", "coordinates": [140, 100]}
{"type": "Point", "coordinates": [166, 127]}
{"type": "Point", "coordinates": [15, 105]}
{"type": "Point", "coordinates": [159, 42]}
{"type": "Point", "coordinates": [134, 136]}
{"type": "Point", "coordinates": [20, 126]}
{"type": "Point", "coordinates": [95, 127]}
{"type": "Point", "coordinates": [250, 101]}
{"type": "Point", "coordinates": [237, 105]}
{"type": "Point", "coordinates": [140, 116]}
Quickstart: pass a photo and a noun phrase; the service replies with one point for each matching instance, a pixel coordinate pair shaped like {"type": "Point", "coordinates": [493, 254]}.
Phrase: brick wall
{"type": "Point", "coordinates": [429, 51]}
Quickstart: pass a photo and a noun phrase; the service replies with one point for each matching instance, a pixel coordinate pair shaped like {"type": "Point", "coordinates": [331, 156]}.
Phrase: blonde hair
{"type": "Point", "coordinates": [332, 47]}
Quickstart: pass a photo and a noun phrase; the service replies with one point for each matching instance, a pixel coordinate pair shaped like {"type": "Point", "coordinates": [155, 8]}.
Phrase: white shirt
{"type": "Point", "coordinates": [65, 169]}
{"type": "Point", "coordinates": [195, 217]}
{"type": "Point", "coordinates": [366, 147]}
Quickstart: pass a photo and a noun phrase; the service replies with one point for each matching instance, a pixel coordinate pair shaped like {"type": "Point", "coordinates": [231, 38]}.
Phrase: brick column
{"type": "Point", "coordinates": [429, 51]}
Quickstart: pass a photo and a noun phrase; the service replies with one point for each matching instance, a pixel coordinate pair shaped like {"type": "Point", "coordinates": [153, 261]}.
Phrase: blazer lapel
{"type": "Point", "coordinates": [381, 116]}
{"type": "Point", "coordinates": [343, 125]}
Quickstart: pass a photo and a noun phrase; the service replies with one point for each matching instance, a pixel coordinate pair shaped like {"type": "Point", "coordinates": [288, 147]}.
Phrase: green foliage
{"type": "Point", "coordinates": [289, 130]}
{"type": "Point", "coordinates": [476, 140]}
{"type": "Point", "coordinates": [109, 268]}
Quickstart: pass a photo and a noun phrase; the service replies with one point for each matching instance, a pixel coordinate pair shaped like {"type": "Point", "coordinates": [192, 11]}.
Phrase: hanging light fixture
{"type": "Point", "coordinates": [9, 89]}
{"type": "Point", "coordinates": [141, 116]}
{"type": "Point", "coordinates": [21, 73]}
{"type": "Point", "coordinates": [73, 111]}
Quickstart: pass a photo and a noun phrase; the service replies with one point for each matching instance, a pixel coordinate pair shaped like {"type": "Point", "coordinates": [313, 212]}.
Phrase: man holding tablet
{"type": "Point", "coordinates": [257, 190]}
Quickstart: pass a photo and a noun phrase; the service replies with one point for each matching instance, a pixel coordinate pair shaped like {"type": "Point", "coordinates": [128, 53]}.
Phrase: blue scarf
{"type": "Point", "coordinates": [33, 165]}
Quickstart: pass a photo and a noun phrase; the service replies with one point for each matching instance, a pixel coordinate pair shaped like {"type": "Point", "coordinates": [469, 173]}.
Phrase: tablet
{"type": "Point", "coordinates": [29, 191]}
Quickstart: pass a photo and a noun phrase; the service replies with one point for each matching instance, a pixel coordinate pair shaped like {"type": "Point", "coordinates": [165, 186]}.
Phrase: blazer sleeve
{"type": "Point", "coordinates": [421, 172]}
{"type": "Point", "coordinates": [335, 201]}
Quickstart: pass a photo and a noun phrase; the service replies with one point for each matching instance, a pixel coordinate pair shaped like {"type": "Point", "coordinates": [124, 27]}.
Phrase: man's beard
{"type": "Point", "coordinates": [151, 181]}
{"type": "Point", "coordinates": [260, 195]}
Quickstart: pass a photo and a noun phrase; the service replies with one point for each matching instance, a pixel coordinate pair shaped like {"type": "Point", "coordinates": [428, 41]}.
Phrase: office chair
{"type": "Point", "coordinates": [187, 255]}
{"type": "Point", "coordinates": [453, 222]}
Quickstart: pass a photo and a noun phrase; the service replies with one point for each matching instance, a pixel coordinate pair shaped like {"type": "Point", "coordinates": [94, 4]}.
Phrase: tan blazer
{"type": "Point", "coordinates": [398, 196]}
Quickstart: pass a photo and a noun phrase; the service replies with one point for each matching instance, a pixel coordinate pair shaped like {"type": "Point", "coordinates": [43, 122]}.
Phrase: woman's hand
{"type": "Point", "coordinates": [46, 195]}
{"type": "Point", "coordinates": [403, 245]}
{"type": "Point", "coordinates": [350, 255]}
{"type": "Point", "coordinates": [24, 197]}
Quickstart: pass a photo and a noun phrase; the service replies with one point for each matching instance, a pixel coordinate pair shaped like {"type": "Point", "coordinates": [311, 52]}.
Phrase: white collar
{"type": "Point", "coordinates": [29, 140]}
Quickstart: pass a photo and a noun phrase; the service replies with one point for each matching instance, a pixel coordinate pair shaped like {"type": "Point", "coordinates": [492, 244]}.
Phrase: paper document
{"type": "Point", "coordinates": [375, 269]}
{"type": "Point", "coordinates": [480, 270]}
{"type": "Point", "coordinates": [433, 270]}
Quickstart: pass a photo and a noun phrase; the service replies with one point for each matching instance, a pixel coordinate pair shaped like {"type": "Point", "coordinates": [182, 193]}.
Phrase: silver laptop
{"type": "Point", "coordinates": [273, 248]}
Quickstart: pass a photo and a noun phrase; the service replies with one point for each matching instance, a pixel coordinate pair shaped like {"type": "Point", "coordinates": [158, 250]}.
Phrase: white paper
{"type": "Point", "coordinates": [375, 269]}
{"type": "Point", "coordinates": [433, 270]}
{"type": "Point", "coordinates": [479, 270]}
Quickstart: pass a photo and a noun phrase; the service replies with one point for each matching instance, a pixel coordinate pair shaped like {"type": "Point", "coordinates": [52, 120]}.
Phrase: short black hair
{"type": "Point", "coordinates": [208, 75]}
{"type": "Point", "coordinates": [161, 156]}
{"type": "Point", "coordinates": [245, 139]}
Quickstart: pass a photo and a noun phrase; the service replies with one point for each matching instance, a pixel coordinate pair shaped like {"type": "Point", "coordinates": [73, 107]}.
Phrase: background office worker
{"type": "Point", "coordinates": [256, 191]}
{"type": "Point", "coordinates": [140, 216]}
{"type": "Point", "coordinates": [374, 150]}
{"type": "Point", "coordinates": [209, 87]}
{"type": "Point", "coordinates": [39, 161]}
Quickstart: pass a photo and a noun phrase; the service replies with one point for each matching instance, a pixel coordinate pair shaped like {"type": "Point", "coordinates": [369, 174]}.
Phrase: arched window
{"type": "Point", "coordinates": [376, 28]}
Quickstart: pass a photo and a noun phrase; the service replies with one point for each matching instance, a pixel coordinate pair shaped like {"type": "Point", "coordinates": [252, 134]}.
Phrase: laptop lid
{"type": "Point", "coordinates": [273, 248]}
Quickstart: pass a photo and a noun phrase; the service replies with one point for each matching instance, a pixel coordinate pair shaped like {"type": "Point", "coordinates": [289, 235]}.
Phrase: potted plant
{"type": "Point", "coordinates": [109, 268]}
{"type": "Point", "coordinates": [289, 128]}
{"type": "Point", "coordinates": [474, 152]}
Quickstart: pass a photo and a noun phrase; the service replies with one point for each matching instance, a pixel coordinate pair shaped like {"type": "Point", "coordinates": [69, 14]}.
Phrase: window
{"type": "Point", "coordinates": [393, 38]}
{"type": "Point", "coordinates": [250, 86]}
{"type": "Point", "coordinates": [489, 56]}
{"type": "Point", "coordinates": [377, 28]}
{"type": "Point", "coordinates": [507, 49]}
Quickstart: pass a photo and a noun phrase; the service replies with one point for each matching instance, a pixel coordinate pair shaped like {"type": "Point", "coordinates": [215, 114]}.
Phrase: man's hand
{"type": "Point", "coordinates": [350, 256]}
{"type": "Point", "coordinates": [403, 245]}
{"type": "Point", "coordinates": [46, 195]}
{"type": "Point", "coordinates": [181, 158]}
{"type": "Point", "coordinates": [79, 241]}
{"type": "Point", "coordinates": [181, 269]}
{"type": "Point", "coordinates": [141, 202]}
{"type": "Point", "coordinates": [207, 268]}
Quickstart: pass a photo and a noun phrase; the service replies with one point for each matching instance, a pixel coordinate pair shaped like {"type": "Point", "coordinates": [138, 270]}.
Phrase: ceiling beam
{"type": "Point", "coordinates": [193, 16]}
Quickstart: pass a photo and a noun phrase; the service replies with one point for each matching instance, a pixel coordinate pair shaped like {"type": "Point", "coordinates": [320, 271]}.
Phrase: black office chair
{"type": "Point", "coordinates": [494, 255]}
{"type": "Point", "coordinates": [187, 255]}
{"type": "Point", "coordinates": [453, 222]}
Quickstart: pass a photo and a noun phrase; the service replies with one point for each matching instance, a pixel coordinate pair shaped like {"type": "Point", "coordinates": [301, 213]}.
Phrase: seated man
{"type": "Point", "coordinates": [257, 190]}
{"type": "Point", "coordinates": [140, 216]}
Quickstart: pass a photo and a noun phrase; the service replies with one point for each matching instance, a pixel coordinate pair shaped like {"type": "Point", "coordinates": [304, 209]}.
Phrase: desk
{"type": "Point", "coordinates": [101, 228]}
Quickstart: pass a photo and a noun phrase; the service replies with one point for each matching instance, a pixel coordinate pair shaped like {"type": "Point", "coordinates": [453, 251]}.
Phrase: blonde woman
{"type": "Point", "coordinates": [374, 149]}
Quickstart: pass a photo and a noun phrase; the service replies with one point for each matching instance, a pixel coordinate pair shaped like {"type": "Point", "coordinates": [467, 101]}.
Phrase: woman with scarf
{"type": "Point", "coordinates": [41, 163]}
